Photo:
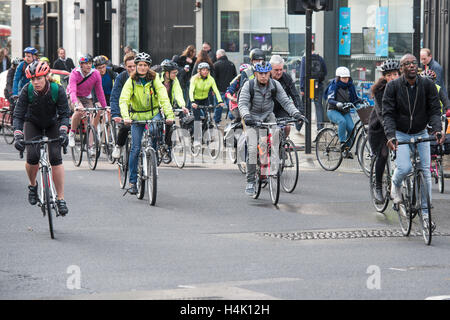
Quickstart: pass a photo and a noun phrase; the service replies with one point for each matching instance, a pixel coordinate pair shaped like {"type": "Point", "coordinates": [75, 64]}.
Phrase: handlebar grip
{"type": "Point", "coordinates": [21, 154]}
{"type": "Point", "coordinates": [64, 149]}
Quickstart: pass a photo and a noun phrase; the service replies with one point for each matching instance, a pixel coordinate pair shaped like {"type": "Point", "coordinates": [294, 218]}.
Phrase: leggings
{"type": "Point", "coordinates": [32, 132]}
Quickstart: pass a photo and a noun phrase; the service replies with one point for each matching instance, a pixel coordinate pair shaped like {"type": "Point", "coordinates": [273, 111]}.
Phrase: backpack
{"type": "Point", "coordinates": [251, 88]}
{"type": "Point", "coordinates": [317, 71]}
{"type": "Point", "coordinates": [54, 87]}
{"type": "Point", "coordinates": [250, 76]}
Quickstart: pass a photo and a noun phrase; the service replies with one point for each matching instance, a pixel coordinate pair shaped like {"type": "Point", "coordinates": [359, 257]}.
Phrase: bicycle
{"type": "Point", "coordinates": [386, 184]}
{"type": "Point", "coordinates": [236, 145]}
{"type": "Point", "coordinates": [178, 143]}
{"type": "Point", "coordinates": [123, 161]}
{"type": "Point", "coordinates": [267, 172]}
{"type": "Point", "coordinates": [329, 152]}
{"type": "Point", "coordinates": [86, 139]}
{"type": "Point", "coordinates": [147, 162]}
{"type": "Point", "coordinates": [211, 134]}
{"type": "Point", "coordinates": [46, 194]}
{"type": "Point", "coordinates": [107, 135]}
{"type": "Point", "coordinates": [7, 125]}
{"type": "Point", "coordinates": [415, 196]}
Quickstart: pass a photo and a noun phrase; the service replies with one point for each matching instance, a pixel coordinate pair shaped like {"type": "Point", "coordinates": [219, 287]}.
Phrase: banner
{"type": "Point", "coordinates": [345, 36]}
{"type": "Point", "coordinates": [382, 35]}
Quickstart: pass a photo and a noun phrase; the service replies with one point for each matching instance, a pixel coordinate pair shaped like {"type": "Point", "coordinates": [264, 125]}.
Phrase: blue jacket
{"type": "Point", "coordinates": [20, 79]}
{"type": "Point", "coordinates": [334, 86]}
{"type": "Point", "coordinates": [115, 93]}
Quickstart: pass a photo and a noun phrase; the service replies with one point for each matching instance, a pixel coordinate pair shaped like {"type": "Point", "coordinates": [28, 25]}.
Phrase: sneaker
{"type": "Point", "coordinates": [250, 189]}
{"type": "Point", "coordinates": [133, 189]}
{"type": "Point", "coordinates": [396, 194]}
{"type": "Point", "coordinates": [33, 194]}
{"type": "Point", "coordinates": [71, 139]}
{"type": "Point", "coordinates": [116, 152]}
{"type": "Point", "coordinates": [62, 207]}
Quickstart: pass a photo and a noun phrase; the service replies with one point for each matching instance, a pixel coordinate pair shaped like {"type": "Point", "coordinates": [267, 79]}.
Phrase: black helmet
{"type": "Point", "coordinates": [257, 54]}
{"type": "Point", "coordinates": [390, 65]}
{"type": "Point", "coordinates": [168, 65]}
{"type": "Point", "coordinates": [100, 60]}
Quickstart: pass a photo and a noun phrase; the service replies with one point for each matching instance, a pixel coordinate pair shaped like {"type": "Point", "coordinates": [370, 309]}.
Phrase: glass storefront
{"type": "Point", "coordinates": [132, 24]}
{"type": "Point", "coordinates": [5, 24]}
{"type": "Point", "coordinates": [37, 31]}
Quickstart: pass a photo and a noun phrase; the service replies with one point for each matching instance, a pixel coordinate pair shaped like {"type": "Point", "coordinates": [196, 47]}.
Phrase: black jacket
{"type": "Point", "coordinates": [225, 72]}
{"type": "Point", "coordinates": [61, 65]}
{"type": "Point", "coordinates": [399, 114]}
{"type": "Point", "coordinates": [289, 87]}
{"type": "Point", "coordinates": [9, 84]}
{"type": "Point", "coordinates": [42, 112]}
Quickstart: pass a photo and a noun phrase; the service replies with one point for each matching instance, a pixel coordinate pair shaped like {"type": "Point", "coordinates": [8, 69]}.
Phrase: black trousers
{"type": "Point", "coordinates": [31, 132]}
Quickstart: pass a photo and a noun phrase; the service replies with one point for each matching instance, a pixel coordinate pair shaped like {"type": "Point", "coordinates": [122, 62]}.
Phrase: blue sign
{"type": "Point", "coordinates": [345, 36]}
{"type": "Point", "coordinates": [382, 33]}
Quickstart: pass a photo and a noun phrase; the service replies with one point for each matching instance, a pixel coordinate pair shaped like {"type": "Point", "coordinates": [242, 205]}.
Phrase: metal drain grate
{"type": "Point", "coordinates": [350, 234]}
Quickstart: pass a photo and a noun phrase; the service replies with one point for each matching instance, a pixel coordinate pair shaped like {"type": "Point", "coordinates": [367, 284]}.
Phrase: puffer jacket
{"type": "Point", "coordinates": [144, 100]}
{"type": "Point", "coordinates": [263, 102]}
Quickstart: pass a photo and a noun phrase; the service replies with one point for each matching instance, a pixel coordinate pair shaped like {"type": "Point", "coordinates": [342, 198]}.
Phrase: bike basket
{"type": "Point", "coordinates": [364, 114]}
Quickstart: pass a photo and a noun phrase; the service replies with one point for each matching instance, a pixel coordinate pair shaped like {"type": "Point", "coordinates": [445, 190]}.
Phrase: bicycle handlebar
{"type": "Point", "coordinates": [44, 140]}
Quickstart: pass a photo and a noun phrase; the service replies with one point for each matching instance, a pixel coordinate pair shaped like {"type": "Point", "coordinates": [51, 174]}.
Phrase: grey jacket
{"type": "Point", "coordinates": [262, 105]}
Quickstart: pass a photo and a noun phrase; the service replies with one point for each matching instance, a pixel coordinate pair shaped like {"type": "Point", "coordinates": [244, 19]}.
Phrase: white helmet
{"type": "Point", "coordinates": [342, 72]}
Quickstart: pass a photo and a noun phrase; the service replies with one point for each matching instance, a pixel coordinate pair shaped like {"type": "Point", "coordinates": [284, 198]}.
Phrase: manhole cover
{"type": "Point", "coordinates": [347, 234]}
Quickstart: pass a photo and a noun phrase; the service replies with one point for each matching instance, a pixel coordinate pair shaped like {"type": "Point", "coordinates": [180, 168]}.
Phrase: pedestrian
{"type": "Point", "coordinates": [63, 63]}
{"type": "Point", "coordinates": [288, 85]}
{"type": "Point", "coordinates": [318, 72]}
{"type": "Point", "coordinates": [225, 72]}
{"type": "Point", "coordinates": [186, 62]}
{"type": "Point", "coordinates": [206, 46]}
{"type": "Point", "coordinates": [5, 61]}
{"type": "Point", "coordinates": [429, 63]}
{"type": "Point", "coordinates": [410, 104]}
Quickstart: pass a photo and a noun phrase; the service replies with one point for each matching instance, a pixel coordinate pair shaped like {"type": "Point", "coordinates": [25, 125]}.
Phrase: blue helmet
{"type": "Point", "coordinates": [263, 67]}
{"type": "Point", "coordinates": [30, 50]}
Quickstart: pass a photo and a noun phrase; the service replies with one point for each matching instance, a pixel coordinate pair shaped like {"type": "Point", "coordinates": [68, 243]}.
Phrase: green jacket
{"type": "Point", "coordinates": [142, 102]}
{"type": "Point", "coordinates": [200, 87]}
{"type": "Point", "coordinates": [177, 92]}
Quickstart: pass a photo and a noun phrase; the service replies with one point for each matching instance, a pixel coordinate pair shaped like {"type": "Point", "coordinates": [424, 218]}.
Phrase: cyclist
{"type": "Point", "coordinates": [410, 103]}
{"type": "Point", "coordinates": [169, 79]}
{"type": "Point", "coordinates": [390, 71]}
{"type": "Point", "coordinates": [256, 103]}
{"type": "Point", "coordinates": [20, 79]}
{"type": "Point", "coordinates": [42, 108]}
{"type": "Point", "coordinates": [256, 56]}
{"type": "Point", "coordinates": [146, 95]}
{"type": "Point", "coordinates": [130, 68]}
{"type": "Point", "coordinates": [443, 99]}
{"type": "Point", "coordinates": [340, 91]}
{"type": "Point", "coordinates": [82, 81]}
{"type": "Point", "coordinates": [108, 76]}
{"type": "Point", "coordinates": [9, 83]}
{"type": "Point", "coordinates": [231, 93]}
{"type": "Point", "coordinates": [201, 83]}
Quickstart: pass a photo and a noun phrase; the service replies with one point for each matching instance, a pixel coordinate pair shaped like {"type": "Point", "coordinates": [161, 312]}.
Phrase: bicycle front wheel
{"type": "Point", "coordinates": [178, 148]}
{"type": "Point", "coordinates": [141, 175]}
{"type": "Point", "coordinates": [290, 167]}
{"type": "Point", "coordinates": [109, 142]}
{"type": "Point", "coordinates": [328, 149]}
{"type": "Point", "coordinates": [152, 177]}
{"type": "Point", "coordinates": [213, 139]}
{"type": "Point", "coordinates": [47, 202]}
{"type": "Point", "coordinates": [424, 208]}
{"type": "Point", "coordinates": [7, 129]}
{"type": "Point", "coordinates": [274, 187]}
{"type": "Point", "coordinates": [77, 150]}
{"type": "Point", "coordinates": [404, 209]}
{"type": "Point", "coordinates": [92, 147]}
{"type": "Point", "coordinates": [379, 206]}
{"type": "Point", "coordinates": [440, 173]}
{"type": "Point", "coordinates": [364, 155]}
{"type": "Point", "coordinates": [122, 163]}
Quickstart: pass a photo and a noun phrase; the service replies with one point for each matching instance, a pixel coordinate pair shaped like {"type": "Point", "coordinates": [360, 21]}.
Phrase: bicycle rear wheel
{"type": "Point", "coordinates": [380, 207]}
{"type": "Point", "coordinates": [290, 167]}
{"type": "Point", "coordinates": [152, 177]}
{"type": "Point", "coordinates": [47, 203]}
{"type": "Point", "coordinates": [328, 149]}
{"type": "Point", "coordinates": [424, 204]}
{"type": "Point", "coordinates": [7, 129]}
{"type": "Point", "coordinates": [77, 150]}
{"type": "Point", "coordinates": [122, 163]}
{"type": "Point", "coordinates": [178, 148]}
{"type": "Point", "coordinates": [364, 155]}
{"type": "Point", "coordinates": [404, 209]}
{"type": "Point", "coordinates": [92, 147]}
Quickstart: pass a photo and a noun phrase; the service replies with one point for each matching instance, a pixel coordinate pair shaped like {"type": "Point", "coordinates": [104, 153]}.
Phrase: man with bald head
{"type": "Point", "coordinates": [410, 103]}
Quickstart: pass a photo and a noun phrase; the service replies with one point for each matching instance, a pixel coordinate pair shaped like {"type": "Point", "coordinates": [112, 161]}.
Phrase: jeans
{"type": "Point", "coordinates": [137, 130]}
{"type": "Point", "coordinates": [199, 112]}
{"type": "Point", "coordinates": [344, 122]}
{"type": "Point", "coordinates": [403, 159]}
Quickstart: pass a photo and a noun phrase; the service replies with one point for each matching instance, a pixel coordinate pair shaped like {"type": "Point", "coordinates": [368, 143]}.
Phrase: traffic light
{"type": "Point", "coordinates": [300, 6]}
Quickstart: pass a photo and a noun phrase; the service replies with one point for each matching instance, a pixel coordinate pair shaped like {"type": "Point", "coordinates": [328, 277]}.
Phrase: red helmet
{"type": "Point", "coordinates": [37, 69]}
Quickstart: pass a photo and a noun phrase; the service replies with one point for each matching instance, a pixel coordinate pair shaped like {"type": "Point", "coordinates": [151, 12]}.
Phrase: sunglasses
{"type": "Point", "coordinates": [408, 63]}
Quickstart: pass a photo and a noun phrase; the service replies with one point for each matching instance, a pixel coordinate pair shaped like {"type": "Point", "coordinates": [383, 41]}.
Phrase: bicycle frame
{"type": "Point", "coordinates": [44, 163]}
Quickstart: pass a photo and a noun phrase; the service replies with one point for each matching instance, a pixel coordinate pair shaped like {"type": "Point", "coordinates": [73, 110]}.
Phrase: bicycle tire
{"type": "Point", "coordinates": [232, 154]}
{"type": "Point", "coordinates": [289, 178]}
{"type": "Point", "coordinates": [109, 143]}
{"type": "Point", "coordinates": [404, 209]}
{"type": "Point", "coordinates": [77, 150]}
{"type": "Point", "coordinates": [364, 154]}
{"type": "Point", "coordinates": [421, 191]}
{"type": "Point", "coordinates": [327, 143]}
{"type": "Point", "coordinates": [92, 150]}
{"type": "Point", "coordinates": [178, 148]}
{"type": "Point", "coordinates": [274, 187]}
{"type": "Point", "coordinates": [122, 163]}
{"type": "Point", "coordinates": [47, 203]}
{"type": "Point", "coordinates": [213, 142]}
{"type": "Point", "coordinates": [152, 177]}
{"type": "Point", "coordinates": [440, 173]}
{"type": "Point", "coordinates": [141, 175]}
{"type": "Point", "coordinates": [379, 207]}
{"type": "Point", "coordinates": [7, 129]}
